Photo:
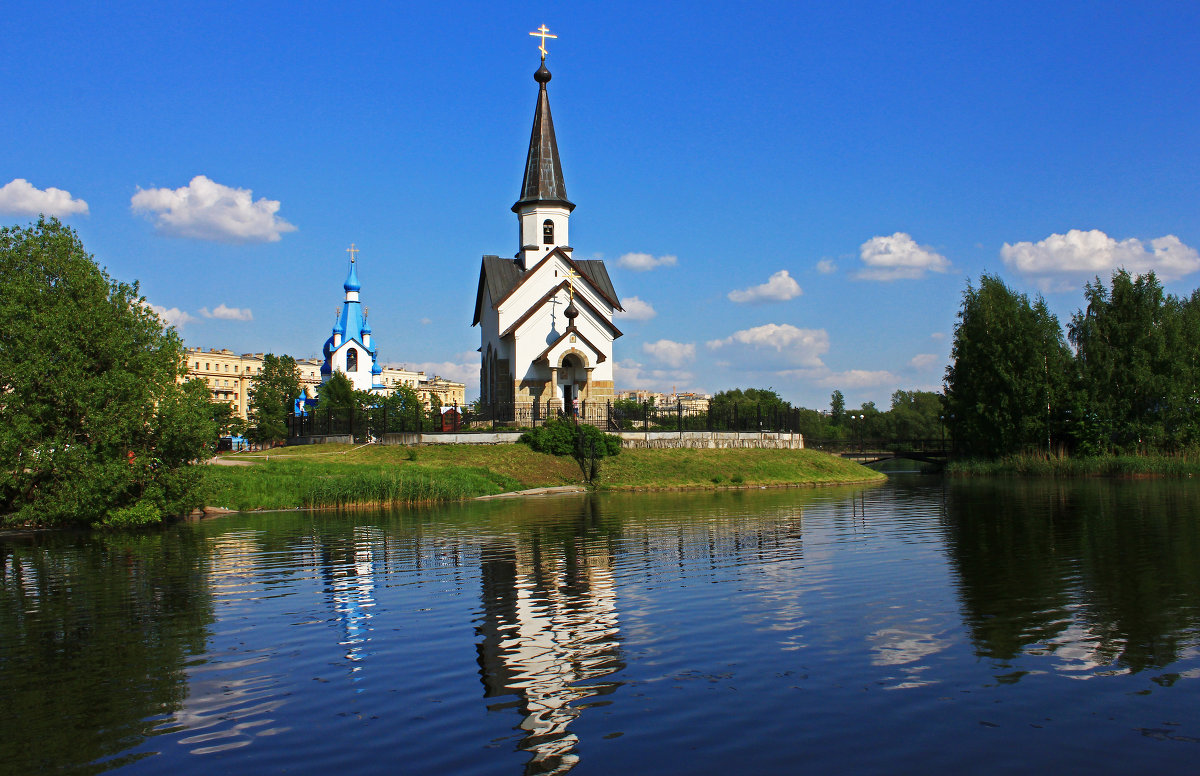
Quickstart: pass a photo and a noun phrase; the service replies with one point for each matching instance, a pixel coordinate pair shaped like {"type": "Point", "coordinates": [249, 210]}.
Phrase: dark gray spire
{"type": "Point", "coordinates": [543, 182]}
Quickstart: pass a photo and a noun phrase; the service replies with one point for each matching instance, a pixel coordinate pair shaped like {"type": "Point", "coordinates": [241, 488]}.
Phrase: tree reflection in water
{"type": "Point", "coordinates": [108, 621]}
{"type": "Point", "coordinates": [1101, 577]}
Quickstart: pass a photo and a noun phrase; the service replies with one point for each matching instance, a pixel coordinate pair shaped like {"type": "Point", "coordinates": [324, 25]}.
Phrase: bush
{"type": "Point", "coordinates": [560, 437]}
{"type": "Point", "coordinates": [586, 444]}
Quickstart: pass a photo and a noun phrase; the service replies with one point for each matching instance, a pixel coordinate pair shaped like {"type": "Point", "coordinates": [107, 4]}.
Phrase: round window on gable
{"type": "Point", "coordinates": [548, 232]}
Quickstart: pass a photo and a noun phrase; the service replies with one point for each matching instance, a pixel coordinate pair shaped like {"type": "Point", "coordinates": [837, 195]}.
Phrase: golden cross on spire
{"type": "Point", "coordinates": [352, 251]}
{"type": "Point", "coordinates": [572, 275]}
{"type": "Point", "coordinates": [543, 32]}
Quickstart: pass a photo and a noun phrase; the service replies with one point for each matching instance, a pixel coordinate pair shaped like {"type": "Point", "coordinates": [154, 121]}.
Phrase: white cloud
{"type": "Point", "coordinates": [826, 266]}
{"type": "Point", "coordinates": [923, 361]}
{"type": "Point", "coordinates": [174, 316]}
{"type": "Point", "coordinates": [673, 354]}
{"type": "Point", "coordinates": [644, 262]}
{"type": "Point", "coordinates": [426, 321]}
{"type": "Point", "coordinates": [631, 375]}
{"type": "Point", "coordinates": [779, 288]}
{"type": "Point", "coordinates": [898, 258]}
{"type": "Point", "coordinates": [1062, 261]}
{"type": "Point", "coordinates": [938, 335]}
{"type": "Point", "coordinates": [800, 347]}
{"type": "Point", "coordinates": [859, 378]}
{"type": "Point", "coordinates": [636, 310]}
{"type": "Point", "coordinates": [225, 313]}
{"type": "Point", "coordinates": [19, 197]}
{"type": "Point", "coordinates": [207, 210]}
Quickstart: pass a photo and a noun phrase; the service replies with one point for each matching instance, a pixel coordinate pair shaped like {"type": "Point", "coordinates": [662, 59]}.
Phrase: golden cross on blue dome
{"type": "Point", "coordinates": [543, 32]}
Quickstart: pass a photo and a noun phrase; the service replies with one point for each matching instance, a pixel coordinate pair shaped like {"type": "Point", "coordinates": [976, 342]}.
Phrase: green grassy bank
{"type": "Point", "coordinates": [1181, 465]}
{"type": "Point", "coordinates": [342, 476]}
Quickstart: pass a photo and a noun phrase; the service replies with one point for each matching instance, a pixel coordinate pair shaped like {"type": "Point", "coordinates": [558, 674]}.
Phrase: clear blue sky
{"type": "Point", "coordinates": [827, 176]}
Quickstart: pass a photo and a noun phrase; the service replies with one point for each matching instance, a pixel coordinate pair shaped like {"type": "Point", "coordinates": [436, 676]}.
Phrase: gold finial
{"type": "Point", "coordinates": [337, 314]}
{"type": "Point", "coordinates": [543, 32]}
{"type": "Point", "coordinates": [352, 251]}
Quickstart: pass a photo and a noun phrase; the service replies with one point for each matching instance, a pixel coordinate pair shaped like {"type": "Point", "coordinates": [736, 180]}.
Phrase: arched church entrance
{"type": "Point", "coordinates": [572, 382]}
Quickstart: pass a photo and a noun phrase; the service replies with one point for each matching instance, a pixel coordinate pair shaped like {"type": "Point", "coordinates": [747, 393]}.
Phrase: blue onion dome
{"type": "Point", "coordinates": [351, 283]}
{"type": "Point", "coordinates": [376, 369]}
{"type": "Point", "coordinates": [366, 327]}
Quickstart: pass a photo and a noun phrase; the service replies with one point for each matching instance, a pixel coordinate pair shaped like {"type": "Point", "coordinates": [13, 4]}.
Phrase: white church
{"type": "Point", "coordinates": [545, 318]}
{"type": "Point", "coordinates": [349, 348]}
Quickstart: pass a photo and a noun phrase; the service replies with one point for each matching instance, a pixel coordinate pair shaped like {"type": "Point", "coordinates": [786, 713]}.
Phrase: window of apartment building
{"type": "Point", "coordinates": [206, 366]}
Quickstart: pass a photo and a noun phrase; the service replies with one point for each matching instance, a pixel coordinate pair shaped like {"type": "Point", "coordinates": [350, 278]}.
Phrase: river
{"type": "Point", "coordinates": [922, 625]}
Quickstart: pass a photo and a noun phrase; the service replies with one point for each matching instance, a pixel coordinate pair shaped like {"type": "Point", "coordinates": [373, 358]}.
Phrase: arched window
{"type": "Point", "coordinates": [351, 360]}
{"type": "Point", "coordinates": [548, 232]}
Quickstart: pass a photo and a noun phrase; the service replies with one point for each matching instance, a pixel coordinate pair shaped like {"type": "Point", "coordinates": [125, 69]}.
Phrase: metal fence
{"type": "Point", "coordinates": [607, 415]}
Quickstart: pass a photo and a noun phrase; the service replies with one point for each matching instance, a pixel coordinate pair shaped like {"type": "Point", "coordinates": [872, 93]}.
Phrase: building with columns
{"type": "Point", "coordinates": [545, 318]}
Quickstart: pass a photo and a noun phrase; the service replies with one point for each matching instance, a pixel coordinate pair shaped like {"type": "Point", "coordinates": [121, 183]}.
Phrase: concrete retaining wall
{"type": "Point", "coordinates": [321, 440]}
{"type": "Point", "coordinates": [711, 440]}
{"type": "Point", "coordinates": [474, 438]}
{"type": "Point", "coordinates": [706, 440]}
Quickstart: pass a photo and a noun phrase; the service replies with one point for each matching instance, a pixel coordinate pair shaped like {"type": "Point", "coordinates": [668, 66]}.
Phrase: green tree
{"type": "Point", "coordinates": [337, 393]}
{"type": "Point", "coordinates": [273, 393]}
{"type": "Point", "coordinates": [1008, 382]}
{"type": "Point", "coordinates": [1126, 366]}
{"type": "Point", "coordinates": [837, 408]}
{"type": "Point", "coordinates": [94, 427]}
{"type": "Point", "coordinates": [914, 415]}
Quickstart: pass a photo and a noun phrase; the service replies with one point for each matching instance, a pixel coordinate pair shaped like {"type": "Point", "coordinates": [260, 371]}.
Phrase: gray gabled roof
{"type": "Point", "coordinates": [597, 273]}
{"type": "Point", "coordinates": [500, 276]}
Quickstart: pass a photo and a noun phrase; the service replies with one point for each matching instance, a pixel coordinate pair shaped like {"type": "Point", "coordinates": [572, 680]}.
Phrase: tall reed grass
{"type": "Point", "coordinates": [1032, 465]}
{"type": "Point", "coordinates": [294, 484]}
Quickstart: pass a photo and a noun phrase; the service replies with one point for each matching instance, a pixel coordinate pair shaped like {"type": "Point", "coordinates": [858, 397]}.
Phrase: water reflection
{"type": "Point", "coordinates": [549, 632]}
{"type": "Point", "coordinates": [104, 625]}
{"type": "Point", "coordinates": [1105, 579]}
{"type": "Point", "coordinates": [632, 631]}
{"type": "Point", "coordinates": [348, 571]}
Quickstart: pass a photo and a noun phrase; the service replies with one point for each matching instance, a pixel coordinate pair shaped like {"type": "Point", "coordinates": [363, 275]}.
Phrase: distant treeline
{"type": "Point", "coordinates": [1121, 380]}
{"type": "Point", "coordinates": [913, 415]}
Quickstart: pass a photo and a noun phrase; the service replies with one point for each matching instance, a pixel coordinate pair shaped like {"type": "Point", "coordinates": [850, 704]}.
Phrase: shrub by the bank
{"type": "Point", "coordinates": [560, 437]}
{"type": "Point", "coordinates": [586, 444]}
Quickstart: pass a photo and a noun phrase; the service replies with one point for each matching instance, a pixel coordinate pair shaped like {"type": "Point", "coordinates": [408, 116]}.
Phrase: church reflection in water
{"type": "Point", "coordinates": [548, 637]}
{"type": "Point", "coordinates": [349, 576]}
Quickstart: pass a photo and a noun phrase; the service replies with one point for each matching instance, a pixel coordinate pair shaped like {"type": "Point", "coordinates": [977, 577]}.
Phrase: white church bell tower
{"type": "Point", "coordinates": [546, 320]}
